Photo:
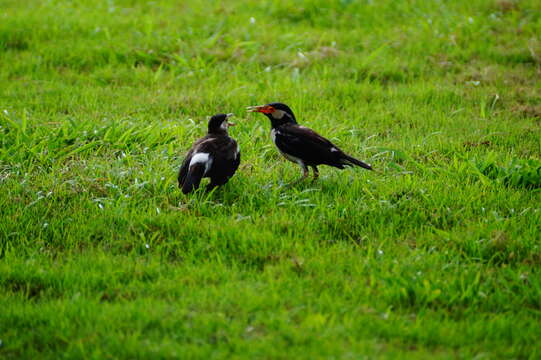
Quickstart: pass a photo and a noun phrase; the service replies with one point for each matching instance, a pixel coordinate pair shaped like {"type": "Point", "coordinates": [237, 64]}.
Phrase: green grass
{"type": "Point", "coordinates": [436, 255]}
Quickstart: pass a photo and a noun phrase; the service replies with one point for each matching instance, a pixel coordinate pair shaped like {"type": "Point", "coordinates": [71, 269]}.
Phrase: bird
{"type": "Point", "coordinates": [303, 145]}
{"type": "Point", "coordinates": [215, 156]}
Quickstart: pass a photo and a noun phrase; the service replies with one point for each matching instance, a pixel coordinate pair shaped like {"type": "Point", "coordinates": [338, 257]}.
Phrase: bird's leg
{"type": "Point", "coordinates": [316, 173]}
{"type": "Point", "coordinates": [211, 185]}
{"type": "Point", "coordinates": [305, 174]}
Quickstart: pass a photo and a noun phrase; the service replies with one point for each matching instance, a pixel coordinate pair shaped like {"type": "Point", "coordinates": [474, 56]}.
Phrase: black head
{"type": "Point", "coordinates": [278, 113]}
{"type": "Point", "coordinates": [218, 124]}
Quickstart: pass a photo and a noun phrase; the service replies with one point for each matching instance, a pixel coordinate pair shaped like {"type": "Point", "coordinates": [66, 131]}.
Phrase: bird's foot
{"type": "Point", "coordinates": [316, 174]}
{"type": "Point", "coordinates": [210, 187]}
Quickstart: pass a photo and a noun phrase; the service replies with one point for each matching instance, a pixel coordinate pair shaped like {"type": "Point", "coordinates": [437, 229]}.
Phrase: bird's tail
{"type": "Point", "coordinates": [350, 161]}
{"type": "Point", "coordinates": [193, 177]}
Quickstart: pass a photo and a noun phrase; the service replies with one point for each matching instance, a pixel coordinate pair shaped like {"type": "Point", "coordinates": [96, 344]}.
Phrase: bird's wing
{"type": "Point", "coordinates": [305, 143]}
{"type": "Point", "coordinates": [226, 152]}
{"type": "Point", "coordinates": [196, 147]}
{"type": "Point", "coordinates": [184, 167]}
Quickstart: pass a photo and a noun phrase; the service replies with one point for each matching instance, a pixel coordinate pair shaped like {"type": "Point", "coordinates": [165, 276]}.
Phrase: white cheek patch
{"type": "Point", "coordinates": [278, 114]}
{"type": "Point", "coordinates": [238, 150]}
{"type": "Point", "coordinates": [203, 158]}
{"type": "Point", "coordinates": [224, 125]}
{"type": "Point", "coordinates": [334, 149]}
{"type": "Point", "coordinates": [273, 135]}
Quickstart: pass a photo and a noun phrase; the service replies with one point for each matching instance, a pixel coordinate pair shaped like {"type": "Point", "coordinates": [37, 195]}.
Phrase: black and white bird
{"type": "Point", "coordinates": [215, 156]}
{"type": "Point", "coordinates": [302, 145]}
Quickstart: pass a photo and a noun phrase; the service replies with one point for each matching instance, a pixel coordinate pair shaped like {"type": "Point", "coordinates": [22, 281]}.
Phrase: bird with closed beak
{"type": "Point", "coordinates": [215, 156]}
{"type": "Point", "coordinates": [303, 145]}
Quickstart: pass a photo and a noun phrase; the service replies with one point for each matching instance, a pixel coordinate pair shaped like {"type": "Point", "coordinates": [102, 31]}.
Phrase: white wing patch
{"type": "Point", "coordinates": [203, 158]}
{"type": "Point", "coordinates": [333, 149]}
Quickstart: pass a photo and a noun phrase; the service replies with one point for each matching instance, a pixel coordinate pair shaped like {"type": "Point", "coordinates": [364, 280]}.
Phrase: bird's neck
{"type": "Point", "coordinates": [279, 122]}
{"type": "Point", "coordinates": [218, 132]}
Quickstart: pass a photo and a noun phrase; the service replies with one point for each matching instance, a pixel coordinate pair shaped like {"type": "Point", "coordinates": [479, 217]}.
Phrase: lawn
{"type": "Point", "coordinates": [436, 254]}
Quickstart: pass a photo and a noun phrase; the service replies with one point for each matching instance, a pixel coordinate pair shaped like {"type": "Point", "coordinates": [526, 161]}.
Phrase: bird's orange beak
{"type": "Point", "coordinates": [265, 109]}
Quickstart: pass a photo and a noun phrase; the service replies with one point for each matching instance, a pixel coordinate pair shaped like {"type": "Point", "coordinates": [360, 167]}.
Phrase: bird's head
{"type": "Point", "coordinates": [278, 113]}
{"type": "Point", "coordinates": [219, 123]}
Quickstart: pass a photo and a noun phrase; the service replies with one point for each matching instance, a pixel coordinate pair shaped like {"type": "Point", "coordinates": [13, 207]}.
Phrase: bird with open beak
{"type": "Point", "coordinates": [215, 156]}
{"type": "Point", "coordinates": [302, 145]}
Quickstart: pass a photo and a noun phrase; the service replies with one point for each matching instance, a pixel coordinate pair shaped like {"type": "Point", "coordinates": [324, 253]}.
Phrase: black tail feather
{"type": "Point", "coordinates": [350, 161]}
{"type": "Point", "coordinates": [193, 178]}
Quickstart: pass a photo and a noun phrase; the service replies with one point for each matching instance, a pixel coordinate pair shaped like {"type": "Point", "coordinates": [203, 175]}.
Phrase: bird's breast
{"type": "Point", "coordinates": [273, 135]}
{"type": "Point", "coordinates": [290, 157]}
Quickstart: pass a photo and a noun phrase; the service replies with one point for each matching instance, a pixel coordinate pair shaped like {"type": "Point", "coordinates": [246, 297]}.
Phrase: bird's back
{"type": "Point", "coordinates": [306, 144]}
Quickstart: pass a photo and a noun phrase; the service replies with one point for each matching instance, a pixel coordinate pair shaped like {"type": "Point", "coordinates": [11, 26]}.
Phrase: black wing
{"type": "Point", "coordinates": [226, 159]}
{"type": "Point", "coordinates": [186, 163]}
{"type": "Point", "coordinates": [184, 168]}
{"type": "Point", "coordinates": [236, 160]}
{"type": "Point", "coordinates": [307, 145]}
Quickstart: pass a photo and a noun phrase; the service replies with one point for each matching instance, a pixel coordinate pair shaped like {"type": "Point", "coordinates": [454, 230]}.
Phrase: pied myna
{"type": "Point", "coordinates": [215, 156]}
{"type": "Point", "coordinates": [302, 145]}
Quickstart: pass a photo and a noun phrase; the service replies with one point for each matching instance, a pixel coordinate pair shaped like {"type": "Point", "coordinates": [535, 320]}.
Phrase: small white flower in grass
{"type": "Point", "coordinates": [249, 329]}
{"type": "Point", "coordinates": [100, 205]}
{"type": "Point", "coordinates": [385, 316]}
{"type": "Point", "coordinates": [470, 20]}
{"type": "Point", "coordinates": [162, 178]}
{"type": "Point", "coordinates": [301, 55]}
{"type": "Point", "coordinates": [158, 210]}
{"type": "Point", "coordinates": [45, 224]}
{"type": "Point", "coordinates": [112, 186]}
{"type": "Point", "coordinates": [380, 252]}
{"type": "Point", "coordinates": [252, 20]}
{"type": "Point", "coordinates": [241, 217]}
{"type": "Point", "coordinates": [6, 112]}
{"type": "Point", "coordinates": [147, 246]}
{"type": "Point", "coordinates": [267, 69]}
